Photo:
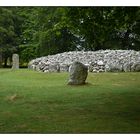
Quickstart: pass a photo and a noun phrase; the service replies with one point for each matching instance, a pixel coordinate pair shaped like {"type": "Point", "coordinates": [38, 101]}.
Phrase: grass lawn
{"type": "Point", "coordinates": [33, 102]}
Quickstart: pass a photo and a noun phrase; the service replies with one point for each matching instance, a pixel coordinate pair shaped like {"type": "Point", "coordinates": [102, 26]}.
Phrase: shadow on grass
{"type": "Point", "coordinates": [80, 85]}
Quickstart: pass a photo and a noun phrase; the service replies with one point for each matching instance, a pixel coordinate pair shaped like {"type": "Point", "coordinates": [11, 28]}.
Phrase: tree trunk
{"type": "Point", "coordinates": [0, 60]}
{"type": "Point", "coordinates": [5, 62]}
{"type": "Point", "coordinates": [125, 41]}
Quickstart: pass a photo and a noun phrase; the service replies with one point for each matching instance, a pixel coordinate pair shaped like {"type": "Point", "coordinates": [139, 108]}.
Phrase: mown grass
{"type": "Point", "coordinates": [33, 102]}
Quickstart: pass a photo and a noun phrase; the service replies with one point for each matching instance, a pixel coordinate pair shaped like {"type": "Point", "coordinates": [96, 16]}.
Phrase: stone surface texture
{"type": "Point", "coordinates": [15, 61]}
{"type": "Point", "coordinates": [78, 73]}
{"type": "Point", "coordinates": [96, 61]}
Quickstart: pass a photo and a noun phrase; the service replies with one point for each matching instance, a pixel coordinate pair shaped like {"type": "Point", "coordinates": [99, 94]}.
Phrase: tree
{"type": "Point", "coordinates": [106, 27]}
{"type": "Point", "coordinates": [126, 19]}
{"type": "Point", "coordinates": [8, 38]}
{"type": "Point", "coordinates": [55, 34]}
{"type": "Point", "coordinates": [37, 31]}
{"type": "Point", "coordinates": [28, 30]}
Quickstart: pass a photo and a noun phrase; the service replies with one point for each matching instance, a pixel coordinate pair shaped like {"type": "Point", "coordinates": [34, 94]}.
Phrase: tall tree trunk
{"type": "Point", "coordinates": [5, 62]}
{"type": "Point", "coordinates": [125, 41]}
{"type": "Point", "coordinates": [0, 60]}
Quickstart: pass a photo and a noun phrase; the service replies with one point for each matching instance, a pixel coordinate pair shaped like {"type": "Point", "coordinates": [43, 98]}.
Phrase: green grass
{"type": "Point", "coordinates": [33, 102]}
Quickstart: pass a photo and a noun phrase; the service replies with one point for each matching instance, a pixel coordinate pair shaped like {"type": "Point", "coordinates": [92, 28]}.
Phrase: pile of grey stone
{"type": "Point", "coordinates": [96, 61]}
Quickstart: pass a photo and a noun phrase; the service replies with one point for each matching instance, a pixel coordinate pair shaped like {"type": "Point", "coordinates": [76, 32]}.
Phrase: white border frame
{"type": "Point", "coordinates": [69, 2]}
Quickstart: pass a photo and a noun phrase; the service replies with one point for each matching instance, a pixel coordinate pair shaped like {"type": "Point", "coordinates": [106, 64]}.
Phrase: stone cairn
{"type": "Point", "coordinates": [78, 74]}
{"type": "Point", "coordinates": [96, 61]}
{"type": "Point", "coordinates": [15, 61]}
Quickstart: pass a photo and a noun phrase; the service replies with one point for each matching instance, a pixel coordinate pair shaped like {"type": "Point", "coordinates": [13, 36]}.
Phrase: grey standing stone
{"type": "Point", "coordinates": [78, 74]}
{"type": "Point", "coordinates": [15, 60]}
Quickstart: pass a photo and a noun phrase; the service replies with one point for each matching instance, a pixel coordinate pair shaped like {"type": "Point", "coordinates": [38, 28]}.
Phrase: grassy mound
{"type": "Point", "coordinates": [33, 102]}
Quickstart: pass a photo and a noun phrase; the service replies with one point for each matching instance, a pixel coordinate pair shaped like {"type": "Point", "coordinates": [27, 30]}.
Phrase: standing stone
{"type": "Point", "coordinates": [78, 74]}
{"type": "Point", "coordinates": [15, 60]}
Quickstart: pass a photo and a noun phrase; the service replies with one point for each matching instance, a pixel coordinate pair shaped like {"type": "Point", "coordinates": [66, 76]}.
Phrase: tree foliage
{"type": "Point", "coordinates": [39, 31]}
{"type": "Point", "coordinates": [106, 27]}
{"type": "Point", "coordinates": [54, 34]}
{"type": "Point", "coordinates": [8, 36]}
